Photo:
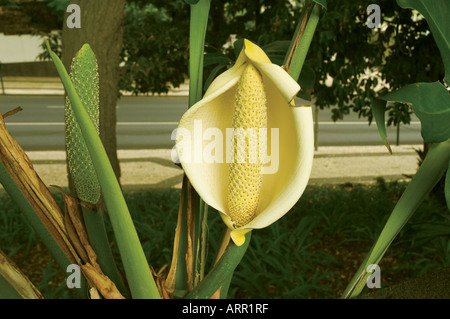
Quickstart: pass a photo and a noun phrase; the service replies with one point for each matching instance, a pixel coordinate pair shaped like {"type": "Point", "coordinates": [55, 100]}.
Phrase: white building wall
{"type": "Point", "coordinates": [19, 48]}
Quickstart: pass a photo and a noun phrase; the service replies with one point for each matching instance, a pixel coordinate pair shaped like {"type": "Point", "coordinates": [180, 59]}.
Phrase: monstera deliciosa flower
{"type": "Point", "coordinates": [245, 147]}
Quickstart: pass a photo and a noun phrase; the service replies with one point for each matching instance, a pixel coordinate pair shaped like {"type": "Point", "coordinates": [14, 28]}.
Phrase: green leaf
{"type": "Point", "coordinates": [191, 1]}
{"type": "Point", "coordinates": [215, 72]}
{"type": "Point", "coordinates": [198, 25]}
{"type": "Point", "coordinates": [322, 3]}
{"type": "Point", "coordinates": [238, 45]}
{"type": "Point", "coordinates": [303, 95]}
{"type": "Point", "coordinates": [140, 278]}
{"type": "Point", "coordinates": [7, 291]}
{"type": "Point", "coordinates": [431, 103]}
{"type": "Point", "coordinates": [436, 12]}
{"type": "Point", "coordinates": [379, 110]}
{"type": "Point", "coordinates": [307, 77]}
{"type": "Point", "coordinates": [215, 58]}
{"type": "Point", "coordinates": [429, 173]}
{"type": "Point", "coordinates": [276, 51]}
{"type": "Point", "coordinates": [85, 78]}
{"type": "Point", "coordinates": [276, 47]}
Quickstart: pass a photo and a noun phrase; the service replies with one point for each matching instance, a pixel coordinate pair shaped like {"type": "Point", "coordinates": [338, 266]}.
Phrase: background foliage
{"type": "Point", "coordinates": [160, 32]}
{"type": "Point", "coordinates": [402, 52]}
{"type": "Point", "coordinates": [352, 63]}
{"type": "Point", "coordinates": [327, 234]}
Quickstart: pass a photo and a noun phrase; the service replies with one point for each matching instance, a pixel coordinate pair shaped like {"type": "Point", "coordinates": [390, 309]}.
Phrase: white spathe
{"type": "Point", "coordinates": [280, 190]}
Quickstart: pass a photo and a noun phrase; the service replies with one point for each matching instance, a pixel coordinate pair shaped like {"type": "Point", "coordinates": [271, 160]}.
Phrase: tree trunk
{"type": "Point", "coordinates": [101, 27]}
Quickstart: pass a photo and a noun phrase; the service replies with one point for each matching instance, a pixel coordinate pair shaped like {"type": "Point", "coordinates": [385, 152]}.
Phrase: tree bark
{"type": "Point", "coordinates": [101, 27]}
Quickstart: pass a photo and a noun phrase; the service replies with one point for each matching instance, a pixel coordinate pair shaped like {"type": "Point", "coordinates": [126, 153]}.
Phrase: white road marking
{"type": "Point", "coordinates": [175, 123]}
{"type": "Point", "coordinates": [62, 123]}
{"type": "Point", "coordinates": [359, 123]}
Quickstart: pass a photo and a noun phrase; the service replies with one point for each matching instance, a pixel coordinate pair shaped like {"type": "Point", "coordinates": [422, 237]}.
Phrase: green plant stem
{"type": "Point", "coordinates": [98, 238]}
{"type": "Point", "coordinates": [222, 272]}
{"type": "Point", "coordinates": [300, 52]}
{"type": "Point", "coordinates": [197, 33]}
{"type": "Point", "coordinates": [198, 25]}
{"type": "Point", "coordinates": [200, 243]}
{"type": "Point", "coordinates": [302, 21]}
{"type": "Point", "coordinates": [226, 287]}
{"type": "Point", "coordinates": [181, 273]}
{"type": "Point", "coordinates": [227, 282]}
{"type": "Point", "coordinates": [140, 278]}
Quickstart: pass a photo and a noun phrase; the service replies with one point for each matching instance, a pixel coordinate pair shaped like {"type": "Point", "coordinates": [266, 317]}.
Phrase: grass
{"type": "Point", "coordinates": [312, 252]}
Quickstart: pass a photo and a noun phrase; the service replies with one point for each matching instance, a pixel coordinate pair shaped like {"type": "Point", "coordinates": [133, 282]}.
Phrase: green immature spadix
{"type": "Point", "coordinates": [84, 76]}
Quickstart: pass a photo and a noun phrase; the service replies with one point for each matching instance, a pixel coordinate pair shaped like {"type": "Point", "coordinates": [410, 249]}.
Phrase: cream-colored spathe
{"type": "Point", "coordinates": [280, 190]}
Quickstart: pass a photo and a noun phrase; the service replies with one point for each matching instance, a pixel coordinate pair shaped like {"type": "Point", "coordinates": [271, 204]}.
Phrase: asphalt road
{"type": "Point", "coordinates": [148, 122]}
